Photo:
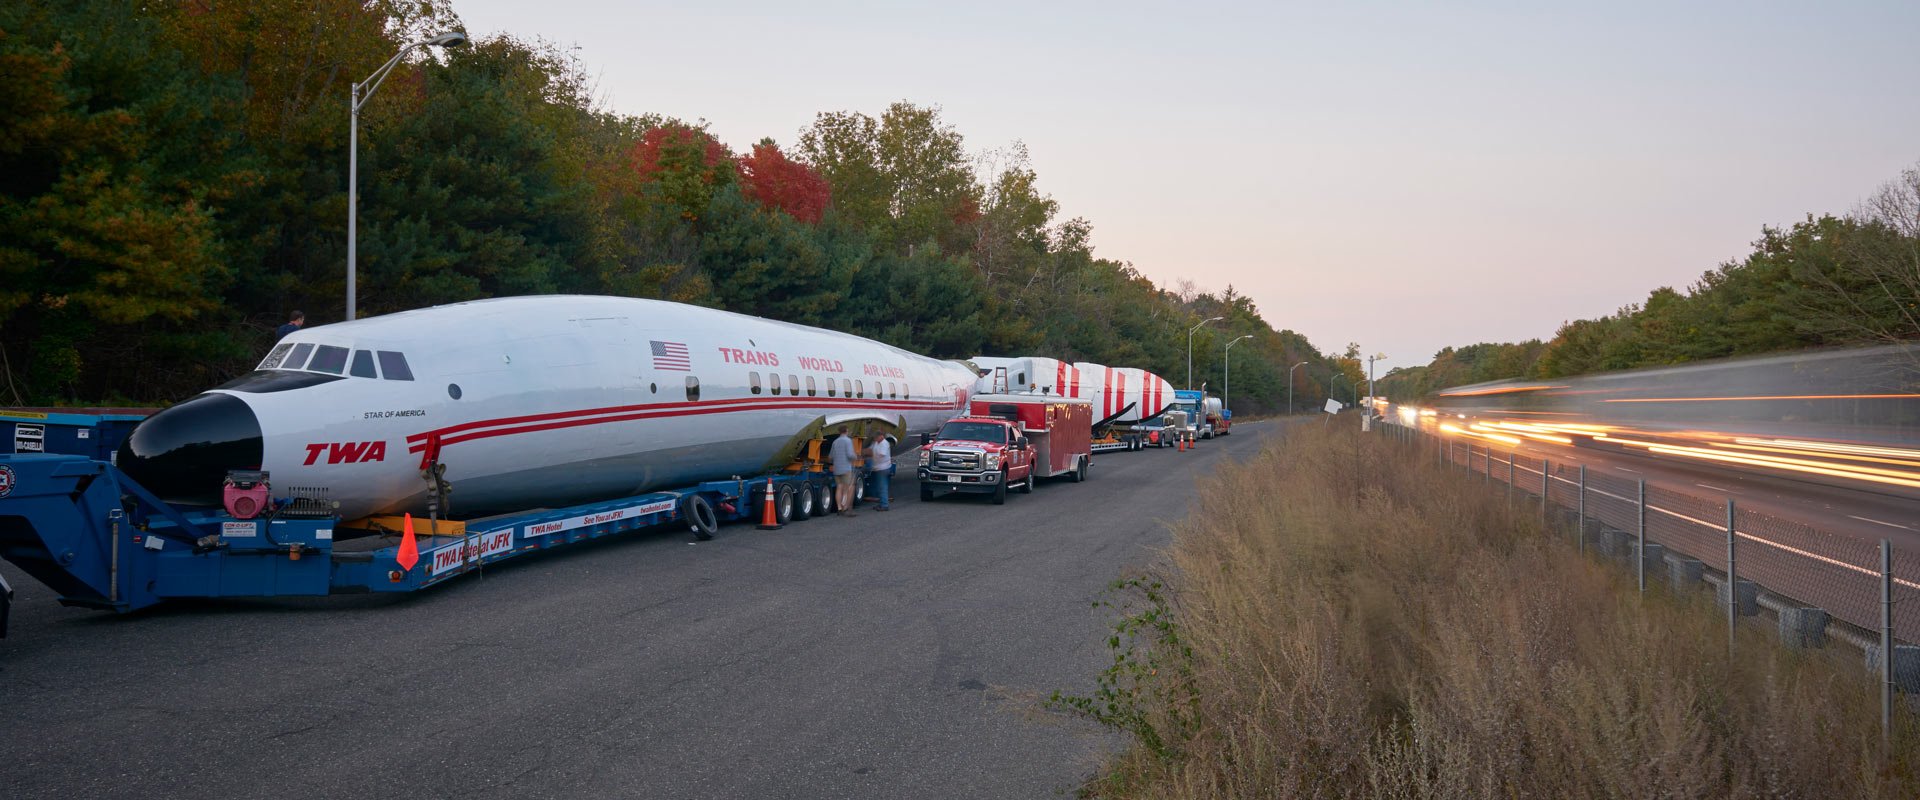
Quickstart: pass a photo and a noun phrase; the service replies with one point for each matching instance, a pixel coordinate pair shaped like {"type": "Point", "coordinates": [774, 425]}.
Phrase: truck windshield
{"type": "Point", "coordinates": [974, 432]}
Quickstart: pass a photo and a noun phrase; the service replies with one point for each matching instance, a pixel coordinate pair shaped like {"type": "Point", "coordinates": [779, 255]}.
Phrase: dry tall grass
{"type": "Point", "coordinates": [1355, 622]}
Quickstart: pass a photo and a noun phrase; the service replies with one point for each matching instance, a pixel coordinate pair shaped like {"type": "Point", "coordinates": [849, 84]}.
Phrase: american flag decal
{"type": "Point", "coordinates": [671, 355]}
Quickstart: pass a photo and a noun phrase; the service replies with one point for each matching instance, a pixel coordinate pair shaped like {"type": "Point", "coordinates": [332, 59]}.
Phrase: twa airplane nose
{"type": "Point", "coordinates": [183, 453]}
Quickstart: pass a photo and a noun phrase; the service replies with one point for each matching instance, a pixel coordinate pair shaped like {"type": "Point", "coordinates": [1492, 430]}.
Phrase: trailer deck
{"type": "Point", "coordinates": [78, 524]}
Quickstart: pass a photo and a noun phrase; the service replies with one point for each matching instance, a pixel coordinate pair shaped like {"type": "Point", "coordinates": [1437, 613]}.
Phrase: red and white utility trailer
{"type": "Point", "coordinates": [1059, 430]}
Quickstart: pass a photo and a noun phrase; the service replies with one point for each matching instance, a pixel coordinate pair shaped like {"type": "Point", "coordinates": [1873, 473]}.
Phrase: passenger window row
{"type": "Point", "coordinates": [848, 388]}
{"type": "Point", "coordinates": [338, 360]}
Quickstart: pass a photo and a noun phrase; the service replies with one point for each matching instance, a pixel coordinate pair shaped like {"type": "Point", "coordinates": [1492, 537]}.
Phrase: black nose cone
{"type": "Point", "coordinates": [183, 453]}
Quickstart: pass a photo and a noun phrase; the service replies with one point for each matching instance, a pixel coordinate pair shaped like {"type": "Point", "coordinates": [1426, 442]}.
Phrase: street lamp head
{"type": "Point", "coordinates": [448, 39]}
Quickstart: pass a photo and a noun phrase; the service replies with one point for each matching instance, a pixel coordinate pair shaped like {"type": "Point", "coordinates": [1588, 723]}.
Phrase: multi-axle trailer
{"type": "Point", "coordinates": [74, 522]}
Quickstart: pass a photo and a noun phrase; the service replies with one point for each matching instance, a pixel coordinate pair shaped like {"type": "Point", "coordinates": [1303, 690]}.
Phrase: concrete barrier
{"type": "Point", "coordinates": [1801, 626]}
{"type": "Point", "coordinates": [1748, 593]}
{"type": "Point", "coordinates": [1616, 543]}
{"type": "Point", "coordinates": [1683, 574]}
{"type": "Point", "coordinates": [1652, 556]}
{"type": "Point", "coordinates": [1906, 666]}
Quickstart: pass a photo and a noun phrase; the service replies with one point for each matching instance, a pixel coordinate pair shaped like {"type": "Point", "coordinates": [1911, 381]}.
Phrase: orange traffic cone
{"type": "Point", "coordinates": [770, 520]}
{"type": "Point", "coordinates": [409, 554]}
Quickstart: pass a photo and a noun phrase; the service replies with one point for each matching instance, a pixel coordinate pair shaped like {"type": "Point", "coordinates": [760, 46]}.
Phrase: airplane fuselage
{"type": "Point", "coordinates": [540, 401]}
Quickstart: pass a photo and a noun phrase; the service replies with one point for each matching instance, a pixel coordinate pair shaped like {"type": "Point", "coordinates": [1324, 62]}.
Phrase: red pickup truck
{"type": "Point", "coordinates": [1007, 441]}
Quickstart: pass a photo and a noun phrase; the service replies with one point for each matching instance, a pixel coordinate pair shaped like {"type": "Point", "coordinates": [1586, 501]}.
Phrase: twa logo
{"type": "Point", "coordinates": [346, 452]}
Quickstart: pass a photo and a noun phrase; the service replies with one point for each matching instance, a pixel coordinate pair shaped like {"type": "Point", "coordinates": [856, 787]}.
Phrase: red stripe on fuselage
{"type": "Point", "coordinates": [826, 402]}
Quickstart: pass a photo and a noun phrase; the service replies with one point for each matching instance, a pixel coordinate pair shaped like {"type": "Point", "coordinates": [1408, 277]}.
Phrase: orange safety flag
{"type": "Point", "coordinates": [409, 549]}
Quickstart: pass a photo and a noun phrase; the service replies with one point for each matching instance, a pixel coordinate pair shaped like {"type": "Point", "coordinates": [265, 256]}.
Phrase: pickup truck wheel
{"type": "Point", "coordinates": [1026, 486]}
{"type": "Point", "coordinates": [926, 493]}
{"type": "Point", "coordinates": [1000, 491]}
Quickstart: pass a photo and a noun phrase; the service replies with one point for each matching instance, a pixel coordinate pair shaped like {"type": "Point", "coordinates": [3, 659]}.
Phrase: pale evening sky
{"type": "Point", "coordinates": [1407, 176]}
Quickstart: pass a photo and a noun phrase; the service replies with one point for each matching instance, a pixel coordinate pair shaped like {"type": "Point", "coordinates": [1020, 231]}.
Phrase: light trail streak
{"type": "Point", "coordinates": [1831, 447]}
{"type": "Point", "coordinates": [1763, 397]}
{"type": "Point", "coordinates": [1497, 390]}
{"type": "Point", "coordinates": [1802, 452]}
{"type": "Point", "coordinates": [1872, 474]}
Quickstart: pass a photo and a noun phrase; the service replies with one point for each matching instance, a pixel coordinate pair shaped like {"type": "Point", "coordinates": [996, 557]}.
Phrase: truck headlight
{"type": "Point", "coordinates": [993, 461]}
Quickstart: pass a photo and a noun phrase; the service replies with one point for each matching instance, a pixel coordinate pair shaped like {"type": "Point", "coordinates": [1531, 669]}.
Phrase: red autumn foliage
{"type": "Point", "coordinates": [777, 182]}
{"type": "Point", "coordinates": [646, 154]}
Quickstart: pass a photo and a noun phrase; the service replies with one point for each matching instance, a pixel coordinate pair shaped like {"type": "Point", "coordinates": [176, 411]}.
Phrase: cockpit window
{"type": "Point", "coordinates": [362, 364]}
{"type": "Point", "coordinates": [329, 359]}
{"type": "Point", "coordinates": [276, 380]}
{"type": "Point", "coordinates": [394, 366]}
{"type": "Point", "coordinates": [298, 358]}
{"type": "Point", "coordinates": [274, 358]}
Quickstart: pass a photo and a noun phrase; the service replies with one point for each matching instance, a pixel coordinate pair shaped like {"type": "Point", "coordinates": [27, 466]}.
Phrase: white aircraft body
{"type": "Point", "coordinates": [1118, 394]}
{"type": "Point", "coordinates": [532, 402]}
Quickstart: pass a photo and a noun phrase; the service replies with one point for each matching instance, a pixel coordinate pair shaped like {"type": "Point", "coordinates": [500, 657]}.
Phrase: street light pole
{"type": "Point", "coordinates": [1190, 347]}
{"type": "Point", "coordinates": [1290, 386]}
{"type": "Point", "coordinates": [358, 99]}
{"type": "Point", "coordinates": [1226, 369]}
{"type": "Point", "coordinates": [1370, 394]}
{"type": "Point", "coordinates": [1356, 387]}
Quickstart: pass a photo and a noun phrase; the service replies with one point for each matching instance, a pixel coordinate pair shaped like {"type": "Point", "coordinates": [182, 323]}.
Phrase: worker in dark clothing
{"type": "Point", "coordinates": [294, 321]}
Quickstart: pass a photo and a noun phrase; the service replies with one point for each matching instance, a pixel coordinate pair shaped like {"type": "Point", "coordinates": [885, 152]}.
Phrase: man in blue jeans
{"type": "Point", "coordinates": [880, 461]}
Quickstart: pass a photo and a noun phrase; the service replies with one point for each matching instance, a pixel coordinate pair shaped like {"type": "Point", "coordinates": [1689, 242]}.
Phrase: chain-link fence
{"type": "Point", "coordinates": [1814, 585]}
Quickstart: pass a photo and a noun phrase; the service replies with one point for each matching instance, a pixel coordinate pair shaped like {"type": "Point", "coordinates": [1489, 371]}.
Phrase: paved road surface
{"type": "Point", "coordinates": [890, 656]}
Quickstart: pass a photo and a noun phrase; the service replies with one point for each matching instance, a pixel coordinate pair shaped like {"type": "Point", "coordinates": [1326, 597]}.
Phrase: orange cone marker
{"type": "Point", "coordinates": [409, 549]}
{"type": "Point", "coordinates": [769, 520]}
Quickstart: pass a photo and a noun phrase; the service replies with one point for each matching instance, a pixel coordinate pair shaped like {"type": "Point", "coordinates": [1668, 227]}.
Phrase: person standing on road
{"type": "Point", "coordinates": [880, 462]}
{"type": "Point", "coordinates": [294, 321]}
{"type": "Point", "coordinates": [843, 477]}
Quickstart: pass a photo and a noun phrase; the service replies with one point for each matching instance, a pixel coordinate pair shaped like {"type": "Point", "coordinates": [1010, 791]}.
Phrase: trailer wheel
{"type": "Point", "coordinates": [1086, 467]}
{"type": "Point", "coordinates": [783, 504]}
{"type": "Point", "coordinates": [859, 490]}
{"type": "Point", "coordinates": [700, 517]}
{"type": "Point", "coordinates": [803, 501]}
{"type": "Point", "coordinates": [823, 498]}
{"type": "Point", "coordinates": [1079, 472]}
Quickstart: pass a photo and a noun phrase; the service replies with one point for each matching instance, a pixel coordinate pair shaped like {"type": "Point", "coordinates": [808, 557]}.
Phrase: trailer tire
{"type": "Point", "coordinates": [700, 517]}
{"type": "Point", "coordinates": [823, 498]}
{"type": "Point", "coordinates": [784, 503]}
{"type": "Point", "coordinates": [803, 501]}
